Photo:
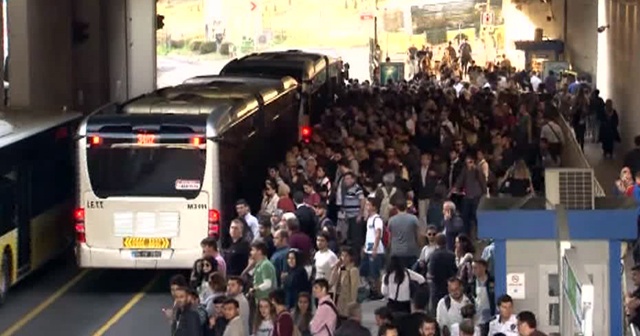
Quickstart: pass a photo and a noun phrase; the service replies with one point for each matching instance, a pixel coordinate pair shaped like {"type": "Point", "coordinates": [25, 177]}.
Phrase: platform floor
{"type": "Point", "coordinates": [607, 171]}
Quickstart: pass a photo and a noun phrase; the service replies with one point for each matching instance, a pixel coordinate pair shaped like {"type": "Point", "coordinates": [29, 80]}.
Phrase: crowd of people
{"type": "Point", "coordinates": [381, 204]}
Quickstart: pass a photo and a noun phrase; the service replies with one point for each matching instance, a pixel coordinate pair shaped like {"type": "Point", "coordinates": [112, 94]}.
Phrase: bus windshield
{"type": "Point", "coordinates": [169, 171]}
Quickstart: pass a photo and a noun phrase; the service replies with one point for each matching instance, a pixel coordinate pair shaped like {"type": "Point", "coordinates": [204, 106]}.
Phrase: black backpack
{"type": "Point", "coordinates": [335, 311]}
{"type": "Point", "coordinates": [447, 302]}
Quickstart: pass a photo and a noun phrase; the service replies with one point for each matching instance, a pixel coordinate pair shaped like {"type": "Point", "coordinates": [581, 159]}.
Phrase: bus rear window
{"type": "Point", "coordinates": [171, 171]}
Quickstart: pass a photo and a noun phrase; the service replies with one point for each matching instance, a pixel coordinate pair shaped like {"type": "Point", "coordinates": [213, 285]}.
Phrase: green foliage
{"type": "Point", "coordinates": [208, 47]}
{"type": "Point", "coordinates": [226, 48]}
{"type": "Point", "coordinates": [177, 44]}
{"type": "Point", "coordinates": [195, 45]}
{"type": "Point", "coordinates": [247, 46]}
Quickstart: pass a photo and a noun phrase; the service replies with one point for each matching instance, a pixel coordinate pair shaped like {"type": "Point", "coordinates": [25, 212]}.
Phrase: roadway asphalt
{"type": "Point", "coordinates": [63, 300]}
{"type": "Point", "coordinates": [60, 299]}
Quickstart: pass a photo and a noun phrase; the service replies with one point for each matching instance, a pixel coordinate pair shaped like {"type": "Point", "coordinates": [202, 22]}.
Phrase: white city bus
{"type": "Point", "coordinates": [162, 171]}
{"type": "Point", "coordinates": [36, 190]}
{"type": "Point", "coordinates": [320, 76]}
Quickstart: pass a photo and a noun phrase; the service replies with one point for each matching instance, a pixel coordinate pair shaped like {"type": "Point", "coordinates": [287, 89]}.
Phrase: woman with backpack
{"type": "Point", "coordinates": [397, 285]}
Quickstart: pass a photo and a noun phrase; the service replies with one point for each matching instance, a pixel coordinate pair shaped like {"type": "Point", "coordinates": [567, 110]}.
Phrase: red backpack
{"type": "Point", "coordinates": [386, 235]}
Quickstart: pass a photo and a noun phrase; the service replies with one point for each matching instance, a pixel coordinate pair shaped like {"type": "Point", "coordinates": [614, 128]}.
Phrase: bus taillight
{"type": "Point", "coordinates": [214, 223]}
{"type": "Point", "coordinates": [95, 140]}
{"type": "Point", "coordinates": [196, 141]}
{"type": "Point", "coordinates": [78, 216]}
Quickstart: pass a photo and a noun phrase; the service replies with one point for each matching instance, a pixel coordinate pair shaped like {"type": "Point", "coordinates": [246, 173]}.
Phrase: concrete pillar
{"type": "Point", "coordinates": [141, 41]}
{"type": "Point", "coordinates": [2, 55]}
{"type": "Point", "coordinates": [131, 47]}
{"type": "Point", "coordinates": [40, 67]}
{"type": "Point", "coordinates": [603, 66]}
{"type": "Point", "coordinates": [115, 12]}
{"type": "Point", "coordinates": [90, 58]}
{"type": "Point", "coordinates": [19, 76]}
{"type": "Point", "coordinates": [581, 42]}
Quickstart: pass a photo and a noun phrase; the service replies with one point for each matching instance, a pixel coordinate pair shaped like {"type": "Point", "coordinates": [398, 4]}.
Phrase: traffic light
{"type": "Point", "coordinates": [80, 32]}
{"type": "Point", "coordinates": [159, 22]}
{"type": "Point", "coordinates": [305, 134]}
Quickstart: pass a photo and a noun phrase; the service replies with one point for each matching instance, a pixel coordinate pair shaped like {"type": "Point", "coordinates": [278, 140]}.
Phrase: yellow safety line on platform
{"type": "Point", "coordinates": [126, 308]}
{"type": "Point", "coordinates": [42, 306]}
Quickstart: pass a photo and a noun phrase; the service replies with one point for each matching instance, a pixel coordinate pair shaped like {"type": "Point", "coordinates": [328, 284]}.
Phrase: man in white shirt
{"type": "Point", "coordinates": [324, 259]}
{"type": "Point", "coordinates": [423, 259]}
{"type": "Point", "coordinates": [448, 311]}
{"type": "Point", "coordinates": [551, 131]}
{"type": "Point", "coordinates": [235, 290]}
{"type": "Point", "coordinates": [242, 208]}
{"type": "Point", "coordinates": [535, 81]}
{"type": "Point", "coordinates": [506, 321]}
{"type": "Point", "coordinates": [373, 261]}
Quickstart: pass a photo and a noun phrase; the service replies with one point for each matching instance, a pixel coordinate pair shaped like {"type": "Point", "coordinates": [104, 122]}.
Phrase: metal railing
{"type": "Point", "coordinates": [573, 154]}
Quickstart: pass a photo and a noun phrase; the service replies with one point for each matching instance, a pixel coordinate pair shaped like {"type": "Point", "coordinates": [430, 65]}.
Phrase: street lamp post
{"type": "Point", "coordinates": [375, 24]}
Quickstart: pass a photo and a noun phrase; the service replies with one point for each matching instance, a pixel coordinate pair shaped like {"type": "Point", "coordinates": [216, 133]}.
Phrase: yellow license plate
{"type": "Point", "coordinates": [146, 243]}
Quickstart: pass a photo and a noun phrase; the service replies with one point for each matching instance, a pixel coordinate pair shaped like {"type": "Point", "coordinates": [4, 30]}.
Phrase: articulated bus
{"type": "Point", "coordinates": [162, 171]}
{"type": "Point", "coordinates": [37, 180]}
{"type": "Point", "coordinates": [320, 76]}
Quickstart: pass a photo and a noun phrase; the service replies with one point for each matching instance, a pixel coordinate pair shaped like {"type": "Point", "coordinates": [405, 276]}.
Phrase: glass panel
{"type": "Point", "coordinates": [554, 314]}
{"type": "Point", "coordinates": [146, 171]}
{"type": "Point", "coordinates": [272, 71]}
{"type": "Point", "coordinates": [554, 285]}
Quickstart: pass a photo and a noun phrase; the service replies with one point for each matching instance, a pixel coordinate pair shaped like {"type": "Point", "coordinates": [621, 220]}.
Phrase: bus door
{"type": "Point", "coordinates": [318, 96]}
{"type": "Point", "coordinates": [305, 105]}
{"type": "Point", "coordinates": [23, 217]}
{"type": "Point", "coordinates": [329, 86]}
{"type": "Point", "coordinates": [7, 216]}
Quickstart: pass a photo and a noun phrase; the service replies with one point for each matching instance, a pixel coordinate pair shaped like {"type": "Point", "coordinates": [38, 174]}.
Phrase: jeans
{"type": "Point", "coordinates": [370, 267]}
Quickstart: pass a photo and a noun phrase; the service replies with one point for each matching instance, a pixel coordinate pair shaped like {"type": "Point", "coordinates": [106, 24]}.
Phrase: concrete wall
{"type": "Point", "coordinates": [620, 61]}
{"type": "Point", "coordinates": [40, 66]}
{"type": "Point", "coordinates": [574, 21]}
{"type": "Point", "coordinates": [538, 267]}
{"type": "Point", "coordinates": [47, 71]}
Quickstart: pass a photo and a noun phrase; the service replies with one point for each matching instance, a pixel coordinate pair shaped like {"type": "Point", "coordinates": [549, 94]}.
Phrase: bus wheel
{"type": "Point", "coordinates": [5, 277]}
